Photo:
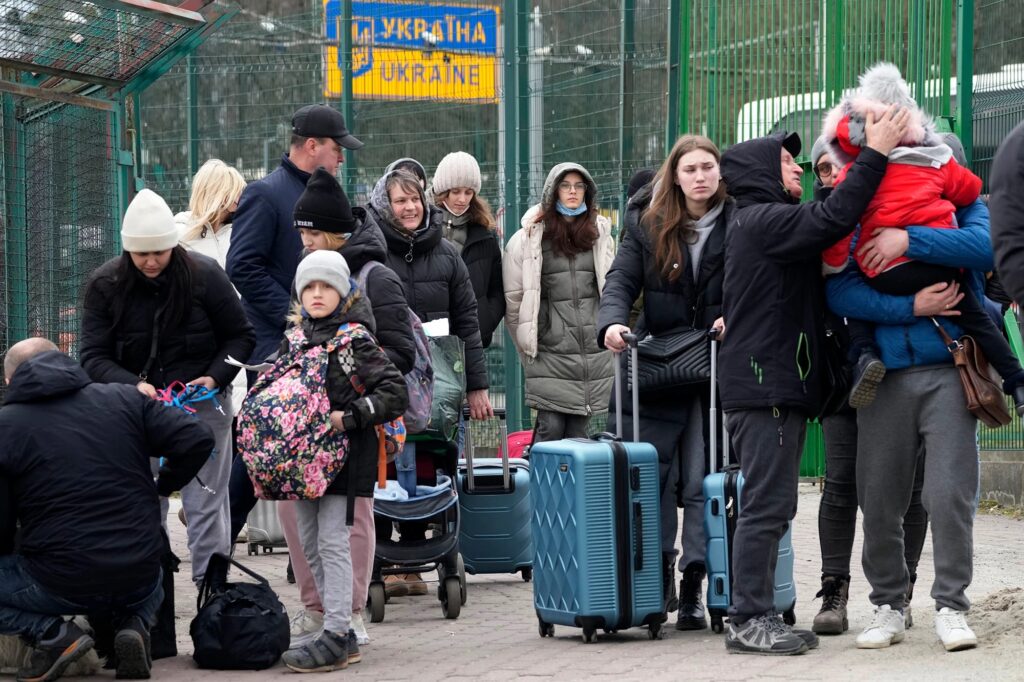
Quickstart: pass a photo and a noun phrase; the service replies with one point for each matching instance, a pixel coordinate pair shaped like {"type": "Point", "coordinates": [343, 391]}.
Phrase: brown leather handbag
{"type": "Point", "coordinates": [985, 399]}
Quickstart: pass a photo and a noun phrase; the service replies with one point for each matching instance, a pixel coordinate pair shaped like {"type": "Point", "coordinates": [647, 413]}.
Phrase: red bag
{"type": "Point", "coordinates": [518, 442]}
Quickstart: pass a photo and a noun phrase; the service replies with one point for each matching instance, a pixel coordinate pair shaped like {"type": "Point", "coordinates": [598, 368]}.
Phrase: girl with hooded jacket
{"type": "Point", "coordinates": [157, 314]}
{"type": "Point", "coordinates": [467, 222]}
{"type": "Point", "coordinates": [672, 252]}
{"type": "Point", "coordinates": [554, 271]}
{"type": "Point", "coordinates": [437, 286]}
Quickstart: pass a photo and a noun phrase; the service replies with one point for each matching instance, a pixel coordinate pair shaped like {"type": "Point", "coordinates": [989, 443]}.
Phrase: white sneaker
{"type": "Point", "coordinates": [305, 627]}
{"type": "Point", "coordinates": [357, 624]}
{"type": "Point", "coordinates": [886, 628]}
{"type": "Point", "coordinates": [952, 629]}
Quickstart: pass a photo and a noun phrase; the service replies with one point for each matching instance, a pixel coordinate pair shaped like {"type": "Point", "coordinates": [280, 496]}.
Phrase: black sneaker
{"type": "Point", "coordinates": [329, 651]}
{"type": "Point", "coordinates": [131, 645]}
{"type": "Point", "coordinates": [353, 647]}
{"type": "Point", "coordinates": [766, 635]}
{"type": "Point", "coordinates": [61, 646]}
{"type": "Point", "coordinates": [867, 375]}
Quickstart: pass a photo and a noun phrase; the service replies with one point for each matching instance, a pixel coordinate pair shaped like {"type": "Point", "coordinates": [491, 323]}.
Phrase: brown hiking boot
{"type": "Point", "coordinates": [832, 620]}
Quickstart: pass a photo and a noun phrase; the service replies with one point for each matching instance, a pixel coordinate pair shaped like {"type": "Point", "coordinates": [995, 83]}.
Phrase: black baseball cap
{"type": "Point", "coordinates": [319, 120]}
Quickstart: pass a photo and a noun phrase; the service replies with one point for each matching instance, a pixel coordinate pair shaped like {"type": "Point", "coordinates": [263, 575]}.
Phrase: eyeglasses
{"type": "Point", "coordinates": [825, 169]}
{"type": "Point", "coordinates": [566, 186]}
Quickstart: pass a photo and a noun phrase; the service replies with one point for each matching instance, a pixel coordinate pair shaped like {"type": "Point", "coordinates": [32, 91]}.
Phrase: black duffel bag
{"type": "Point", "coordinates": [239, 626]}
{"type": "Point", "coordinates": [673, 362]}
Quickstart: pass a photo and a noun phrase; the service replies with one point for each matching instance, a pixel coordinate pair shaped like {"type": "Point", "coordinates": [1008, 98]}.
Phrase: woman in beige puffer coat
{"type": "Point", "coordinates": [554, 269]}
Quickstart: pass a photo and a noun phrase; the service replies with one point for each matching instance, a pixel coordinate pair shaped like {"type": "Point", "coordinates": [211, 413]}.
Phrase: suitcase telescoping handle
{"type": "Point", "coordinates": [713, 427]}
{"type": "Point", "coordinates": [499, 412]}
{"type": "Point", "coordinates": [631, 341]}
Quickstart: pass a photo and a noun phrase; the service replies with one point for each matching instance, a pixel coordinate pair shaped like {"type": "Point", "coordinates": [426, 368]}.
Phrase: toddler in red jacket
{"type": "Point", "coordinates": [923, 186]}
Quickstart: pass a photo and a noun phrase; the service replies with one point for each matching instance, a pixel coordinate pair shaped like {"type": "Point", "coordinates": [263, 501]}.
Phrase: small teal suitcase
{"type": "Point", "coordinates": [495, 510]}
{"type": "Point", "coordinates": [597, 533]}
{"type": "Point", "coordinates": [722, 502]}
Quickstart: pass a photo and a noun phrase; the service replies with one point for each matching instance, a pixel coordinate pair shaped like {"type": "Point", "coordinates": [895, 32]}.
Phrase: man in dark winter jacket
{"type": "Point", "coordinates": [1007, 207]}
{"type": "Point", "coordinates": [77, 457]}
{"type": "Point", "coordinates": [265, 246]}
{"type": "Point", "coordinates": [769, 366]}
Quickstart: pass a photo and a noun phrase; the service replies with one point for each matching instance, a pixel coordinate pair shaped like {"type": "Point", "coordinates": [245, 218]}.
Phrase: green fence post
{"type": "Point", "coordinates": [965, 76]}
{"type": "Point", "coordinates": [16, 267]}
{"type": "Point", "coordinates": [627, 55]}
{"type": "Point", "coordinates": [348, 169]}
{"type": "Point", "coordinates": [675, 68]}
{"type": "Point", "coordinates": [192, 96]}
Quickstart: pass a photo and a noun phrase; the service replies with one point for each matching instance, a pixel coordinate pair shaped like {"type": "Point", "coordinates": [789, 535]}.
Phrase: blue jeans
{"type": "Point", "coordinates": [29, 609]}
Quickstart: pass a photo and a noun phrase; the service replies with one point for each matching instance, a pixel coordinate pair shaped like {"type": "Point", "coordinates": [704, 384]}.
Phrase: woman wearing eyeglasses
{"type": "Point", "coordinates": [554, 269]}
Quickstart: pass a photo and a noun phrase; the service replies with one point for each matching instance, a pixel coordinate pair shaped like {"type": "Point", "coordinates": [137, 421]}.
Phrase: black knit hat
{"type": "Point", "coordinates": [324, 206]}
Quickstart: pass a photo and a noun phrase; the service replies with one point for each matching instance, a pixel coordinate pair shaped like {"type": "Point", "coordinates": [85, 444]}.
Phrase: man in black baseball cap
{"type": "Point", "coordinates": [319, 120]}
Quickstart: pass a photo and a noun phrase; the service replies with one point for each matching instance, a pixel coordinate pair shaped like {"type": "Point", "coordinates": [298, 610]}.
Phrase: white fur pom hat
{"type": "Point", "coordinates": [457, 169]}
{"type": "Point", "coordinates": [148, 224]}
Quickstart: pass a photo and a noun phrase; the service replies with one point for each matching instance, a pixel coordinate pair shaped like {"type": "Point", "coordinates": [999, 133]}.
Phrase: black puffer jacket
{"type": "Point", "coordinates": [384, 399]}
{"type": "Point", "coordinates": [436, 285]}
{"type": "Point", "coordinates": [1007, 209]}
{"type": "Point", "coordinates": [216, 328]}
{"type": "Point", "coordinates": [482, 255]}
{"type": "Point", "coordinates": [383, 289]}
{"type": "Point", "coordinates": [77, 457]}
{"type": "Point", "coordinates": [688, 302]}
{"type": "Point", "coordinates": [773, 296]}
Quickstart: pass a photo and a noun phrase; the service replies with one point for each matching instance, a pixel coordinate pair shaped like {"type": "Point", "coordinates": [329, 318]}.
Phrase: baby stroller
{"type": "Point", "coordinates": [438, 506]}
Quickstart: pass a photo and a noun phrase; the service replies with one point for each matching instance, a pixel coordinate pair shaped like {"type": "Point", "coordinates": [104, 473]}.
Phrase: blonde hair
{"type": "Point", "coordinates": [333, 240]}
{"type": "Point", "coordinates": [215, 187]}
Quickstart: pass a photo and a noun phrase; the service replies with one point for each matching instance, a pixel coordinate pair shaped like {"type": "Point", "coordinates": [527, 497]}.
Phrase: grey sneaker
{"type": "Point", "coordinates": [61, 646]}
{"type": "Point", "coordinates": [329, 651]}
{"type": "Point", "coordinates": [766, 635]}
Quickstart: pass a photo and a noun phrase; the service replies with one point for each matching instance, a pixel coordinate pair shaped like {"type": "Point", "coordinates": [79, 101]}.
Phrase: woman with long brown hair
{"type": "Point", "coordinates": [554, 270]}
{"type": "Point", "coordinates": [673, 252]}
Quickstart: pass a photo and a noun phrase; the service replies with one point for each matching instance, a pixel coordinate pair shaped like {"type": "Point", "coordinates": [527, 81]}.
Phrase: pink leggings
{"type": "Point", "coordinates": [362, 540]}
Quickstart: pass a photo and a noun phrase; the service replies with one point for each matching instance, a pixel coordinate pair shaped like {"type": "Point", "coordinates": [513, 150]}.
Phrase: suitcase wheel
{"type": "Point", "coordinates": [450, 592]}
{"type": "Point", "coordinates": [527, 574]}
{"type": "Point", "coordinates": [589, 635]}
{"type": "Point", "coordinates": [654, 631]}
{"type": "Point", "coordinates": [717, 626]}
{"type": "Point", "coordinates": [545, 629]}
{"type": "Point", "coordinates": [252, 549]}
{"type": "Point", "coordinates": [789, 617]}
{"type": "Point", "coordinates": [375, 602]}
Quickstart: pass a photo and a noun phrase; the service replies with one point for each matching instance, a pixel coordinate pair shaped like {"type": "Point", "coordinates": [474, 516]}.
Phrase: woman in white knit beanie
{"type": "Point", "coordinates": [469, 225]}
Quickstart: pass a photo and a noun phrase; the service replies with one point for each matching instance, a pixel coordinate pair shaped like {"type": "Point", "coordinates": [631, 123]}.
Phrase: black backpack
{"type": "Point", "coordinates": [239, 626]}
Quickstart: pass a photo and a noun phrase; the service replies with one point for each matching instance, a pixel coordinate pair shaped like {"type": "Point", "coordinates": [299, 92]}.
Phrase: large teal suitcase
{"type": "Point", "coordinates": [597, 533]}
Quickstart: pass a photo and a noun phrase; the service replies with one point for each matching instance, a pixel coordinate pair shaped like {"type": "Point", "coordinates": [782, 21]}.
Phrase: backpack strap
{"type": "Point", "coordinates": [364, 273]}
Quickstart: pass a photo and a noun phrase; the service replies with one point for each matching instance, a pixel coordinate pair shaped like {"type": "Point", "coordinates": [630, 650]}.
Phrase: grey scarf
{"type": "Point", "coordinates": [455, 228]}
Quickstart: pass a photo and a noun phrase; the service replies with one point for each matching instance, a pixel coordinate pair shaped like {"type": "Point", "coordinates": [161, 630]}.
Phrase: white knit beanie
{"type": "Point", "coordinates": [148, 224]}
{"type": "Point", "coordinates": [457, 169]}
{"type": "Point", "coordinates": [325, 266]}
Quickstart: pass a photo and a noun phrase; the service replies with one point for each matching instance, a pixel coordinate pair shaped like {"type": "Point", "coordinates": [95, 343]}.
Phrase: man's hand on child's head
{"type": "Point", "coordinates": [887, 132]}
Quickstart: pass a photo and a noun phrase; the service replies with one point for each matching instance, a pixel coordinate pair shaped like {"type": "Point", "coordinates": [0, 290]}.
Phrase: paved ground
{"type": "Point", "coordinates": [496, 637]}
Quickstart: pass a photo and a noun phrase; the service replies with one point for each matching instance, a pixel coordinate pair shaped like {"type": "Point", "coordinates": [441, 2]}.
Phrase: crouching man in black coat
{"type": "Point", "coordinates": [770, 362]}
{"type": "Point", "coordinates": [76, 459]}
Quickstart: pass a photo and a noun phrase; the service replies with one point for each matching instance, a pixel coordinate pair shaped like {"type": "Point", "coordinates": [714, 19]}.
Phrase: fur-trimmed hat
{"type": "Point", "coordinates": [457, 169]}
{"type": "Point", "coordinates": [881, 86]}
{"type": "Point", "coordinates": [326, 266]}
{"type": "Point", "coordinates": [148, 224]}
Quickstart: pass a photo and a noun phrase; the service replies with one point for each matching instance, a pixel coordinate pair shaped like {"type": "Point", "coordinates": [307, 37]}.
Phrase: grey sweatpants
{"type": "Point", "coordinates": [325, 542]}
{"type": "Point", "coordinates": [915, 407]}
{"type": "Point", "coordinates": [556, 425]}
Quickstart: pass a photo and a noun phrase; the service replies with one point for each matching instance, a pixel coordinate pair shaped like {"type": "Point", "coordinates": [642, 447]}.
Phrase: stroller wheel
{"type": "Point", "coordinates": [462, 579]}
{"type": "Point", "coordinates": [451, 599]}
{"type": "Point", "coordinates": [375, 602]}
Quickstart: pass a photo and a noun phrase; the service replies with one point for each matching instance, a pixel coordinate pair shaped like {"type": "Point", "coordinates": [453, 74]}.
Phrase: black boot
{"type": "Point", "coordinates": [908, 615]}
{"type": "Point", "coordinates": [867, 375]}
{"type": "Point", "coordinates": [691, 606]}
{"type": "Point", "coordinates": [668, 577]}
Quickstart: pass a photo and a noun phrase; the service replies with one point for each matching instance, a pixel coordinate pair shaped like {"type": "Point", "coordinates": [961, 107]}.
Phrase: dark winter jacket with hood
{"type": "Point", "coordinates": [693, 301]}
{"type": "Point", "coordinates": [482, 255]}
{"type": "Point", "coordinates": [383, 289]}
{"type": "Point", "coordinates": [434, 277]}
{"type": "Point", "coordinates": [385, 396]}
{"type": "Point", "coordinates": [773, 298]}
{"type": "Point", "coordinates": [215, 328]}
{"type": "Point", "coordinates": [264, 252]}
{"type": "Point", "coordinates": [1007, 207]}
{"type": "Point", "coordinates": [77, 457]}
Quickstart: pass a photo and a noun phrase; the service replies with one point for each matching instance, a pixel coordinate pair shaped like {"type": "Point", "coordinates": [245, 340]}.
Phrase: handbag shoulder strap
{"type": "Point", "coordinates": [153, 345]}
{"type": "Point", "coordinates": [951, 345]}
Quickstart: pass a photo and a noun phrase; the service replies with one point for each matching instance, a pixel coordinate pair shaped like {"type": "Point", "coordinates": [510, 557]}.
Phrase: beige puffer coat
{"type": "Point", "coordinates": [551, 315]}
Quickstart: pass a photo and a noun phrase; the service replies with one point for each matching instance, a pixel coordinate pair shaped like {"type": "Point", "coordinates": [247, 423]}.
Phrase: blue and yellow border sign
{"type": "Point", "coordinates": [416, 50]}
